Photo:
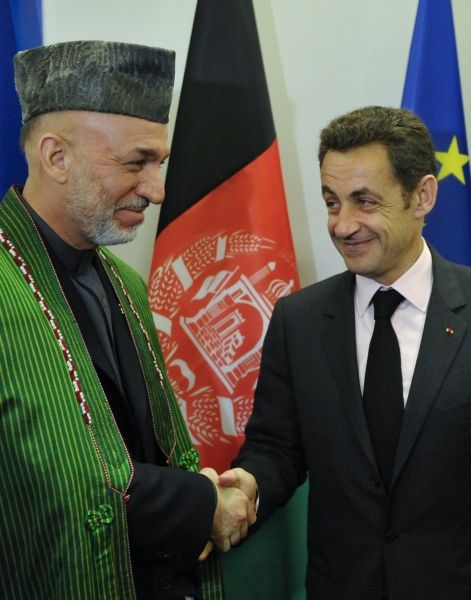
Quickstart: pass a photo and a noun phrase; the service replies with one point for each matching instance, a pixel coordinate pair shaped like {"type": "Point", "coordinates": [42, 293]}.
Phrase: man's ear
{"type": "Point", "coordinates": [52, 154]}
{"type": "Point", "coordinates": [426, 195]}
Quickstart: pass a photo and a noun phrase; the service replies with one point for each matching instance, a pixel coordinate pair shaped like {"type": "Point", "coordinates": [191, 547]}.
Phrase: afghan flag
{"type": "Point", "coordinates": [223, 253]}
{"type": "Point", "coordinates": [433, 91]}
{"type": "Point", "coordinates": [21, 28]}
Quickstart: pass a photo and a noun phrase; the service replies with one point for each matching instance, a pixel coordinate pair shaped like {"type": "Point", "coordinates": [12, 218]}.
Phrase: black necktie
{"type": "Point", "coordinates": [382, 393]}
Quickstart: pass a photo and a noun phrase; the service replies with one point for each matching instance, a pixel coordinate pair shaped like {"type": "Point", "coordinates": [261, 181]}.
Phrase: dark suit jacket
{"type": "Point", "coordinates": [412, 542]}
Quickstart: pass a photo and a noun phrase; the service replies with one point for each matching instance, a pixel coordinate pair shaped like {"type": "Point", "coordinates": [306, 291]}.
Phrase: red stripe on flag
{"type": "Point", "coordinates": [216, 273]}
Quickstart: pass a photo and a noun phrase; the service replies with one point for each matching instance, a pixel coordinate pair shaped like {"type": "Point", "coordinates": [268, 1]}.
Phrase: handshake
{"type": "Point", "coordinates": [235, 509]}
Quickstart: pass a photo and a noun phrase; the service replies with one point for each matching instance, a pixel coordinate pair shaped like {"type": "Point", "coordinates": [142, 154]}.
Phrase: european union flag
{"type": "Point", "coordinates": [433, 91]}
{"type": "Point", "coordinates": [21, 27]}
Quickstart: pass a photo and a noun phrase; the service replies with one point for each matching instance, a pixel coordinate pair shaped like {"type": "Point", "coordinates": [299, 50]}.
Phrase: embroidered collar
{"type": "Point", "coordinates": [23, 267]}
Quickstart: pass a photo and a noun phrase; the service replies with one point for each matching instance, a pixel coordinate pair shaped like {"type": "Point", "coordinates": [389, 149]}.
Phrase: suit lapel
{"type": "Point", "coordinates": [437, 353]}
{"type": "Point", "coordinates": [340, 347]}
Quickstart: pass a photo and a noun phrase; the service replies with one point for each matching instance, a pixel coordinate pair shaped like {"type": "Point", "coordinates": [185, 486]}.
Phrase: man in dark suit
{"type": "Point", "coordinates": [390, 491]}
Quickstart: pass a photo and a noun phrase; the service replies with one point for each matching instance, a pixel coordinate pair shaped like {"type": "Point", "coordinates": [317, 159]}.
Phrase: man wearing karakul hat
{"type": "Point", "coordinates": [88, 421]}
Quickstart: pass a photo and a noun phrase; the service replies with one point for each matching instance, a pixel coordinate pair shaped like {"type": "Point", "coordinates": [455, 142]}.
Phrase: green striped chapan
{"type": "Point", "coordinates": [63, 531]}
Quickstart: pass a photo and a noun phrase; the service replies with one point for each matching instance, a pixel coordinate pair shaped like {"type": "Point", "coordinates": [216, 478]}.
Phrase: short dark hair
{"type": "Point", "coordinates": [405, 136]}
{"type": "Point", "coordinates": [27, 129]}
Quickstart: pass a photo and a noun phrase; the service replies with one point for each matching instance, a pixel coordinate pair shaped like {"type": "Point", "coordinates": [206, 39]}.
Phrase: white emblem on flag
{"type": "Point", "coordinates": [212, 305]}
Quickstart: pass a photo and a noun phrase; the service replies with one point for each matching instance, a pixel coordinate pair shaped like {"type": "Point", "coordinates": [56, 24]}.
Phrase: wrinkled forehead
{"type": "Point", "coordinates": [368, 160]}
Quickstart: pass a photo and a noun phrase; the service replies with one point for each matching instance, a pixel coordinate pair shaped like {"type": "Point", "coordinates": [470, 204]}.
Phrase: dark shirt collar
{"type": "Point", "coordinates": [77, 262]}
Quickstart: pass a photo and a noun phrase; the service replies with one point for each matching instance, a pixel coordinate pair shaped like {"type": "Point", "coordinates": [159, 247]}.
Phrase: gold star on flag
{"type": "Point", "coordinates": [452, 162]}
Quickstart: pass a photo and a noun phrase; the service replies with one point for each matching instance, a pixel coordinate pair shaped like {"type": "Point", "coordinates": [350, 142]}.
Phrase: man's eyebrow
{"type": "Point", "coordinates": [326, 190]}
{"type": "Point", "coordinates": [145, 153]}
{"type": "Point", "coordinates": [365, 190]}
{"type": "Point", "coordinates": [355, 194]}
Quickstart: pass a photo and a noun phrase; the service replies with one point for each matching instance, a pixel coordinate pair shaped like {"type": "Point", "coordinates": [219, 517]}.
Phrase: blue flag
{"type": "Point", "coordinates": [21, 27]}
{"type": "Point", "coordinates": [433, 91]}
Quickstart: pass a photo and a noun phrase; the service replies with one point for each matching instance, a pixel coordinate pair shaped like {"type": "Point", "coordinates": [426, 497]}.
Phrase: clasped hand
{"type": "Point", "coordinates": [235, 509]}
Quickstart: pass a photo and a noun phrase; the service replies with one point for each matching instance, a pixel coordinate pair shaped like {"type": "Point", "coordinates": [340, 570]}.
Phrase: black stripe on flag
{"type": "Point", "coordinates": [224, 119]}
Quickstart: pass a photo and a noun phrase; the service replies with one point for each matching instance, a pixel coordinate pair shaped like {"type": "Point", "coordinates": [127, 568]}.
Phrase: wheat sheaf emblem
{"type": "Point", "coordinates": [204, 421]}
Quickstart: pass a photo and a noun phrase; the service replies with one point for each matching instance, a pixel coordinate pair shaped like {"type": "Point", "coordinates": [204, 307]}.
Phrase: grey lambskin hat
{"type": "Point", "coordinates": [110, 77]}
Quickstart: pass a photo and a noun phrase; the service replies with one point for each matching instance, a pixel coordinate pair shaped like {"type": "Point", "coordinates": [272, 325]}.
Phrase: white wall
{"type": "Point", "coordinates": [322, 58]}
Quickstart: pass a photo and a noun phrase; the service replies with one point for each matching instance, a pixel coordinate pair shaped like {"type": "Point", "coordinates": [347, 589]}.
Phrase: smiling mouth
{"type": "Point", "coordinates": [356, 242]}
{"type": "Point", "coordinates": [132, 209]}
{"type": "Point", "coordinates": [130, 216]}
{"type": "Point", "coordinates": [355, 246]}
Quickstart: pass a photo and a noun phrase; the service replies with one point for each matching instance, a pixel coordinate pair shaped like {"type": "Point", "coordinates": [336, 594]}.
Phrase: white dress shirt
{"type": "Point", "coordinates": [408, 320]}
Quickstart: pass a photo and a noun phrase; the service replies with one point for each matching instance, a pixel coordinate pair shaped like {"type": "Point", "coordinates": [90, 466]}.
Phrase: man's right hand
{"type": "Point", "coordinates": [241, 479]}
{"type": "Point", "coordinates": [234, 514]}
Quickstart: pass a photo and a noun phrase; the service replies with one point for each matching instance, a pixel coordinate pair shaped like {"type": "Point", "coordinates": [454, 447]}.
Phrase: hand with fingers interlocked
{"type": "Point", "coordinates": [235, 509]}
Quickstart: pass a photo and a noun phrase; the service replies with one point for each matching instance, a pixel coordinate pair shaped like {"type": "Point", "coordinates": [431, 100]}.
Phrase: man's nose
{"type": "Point", "coordinates": [345, 222]}
{"type": "Point", "coordinates": [151, 184]}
